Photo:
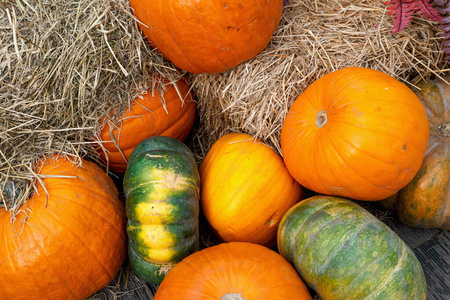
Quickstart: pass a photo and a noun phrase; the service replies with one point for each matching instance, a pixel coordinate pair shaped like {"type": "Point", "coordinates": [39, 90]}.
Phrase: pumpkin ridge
{"type": "Point", "coordinates": [299, 229]}
{"type": "Point", "coordinates": [163, 107]}
{"type": "Point", "coordinates": [189, 185]}
{"type": "Point", "coordinates": [33, 277]}
{"type": "Point", "coordinates": [330, 189]}
{"type": "Point", "coordinates": [346, 293]}
{"type": "Point", "coordinates": [377, 291]}
{"type": "Point", "coordinates": [111, 276]}
{"type": "Point", "coordinates": [313, 154]}
{"type": "Point", "coordinates": [209, 41]}
{"type": "Point", "coordinates": [374, 158]}
{"type": "Point", "coordinates": [186, 59]}
{"type": "Point", "coordinates": [181, 243]}
{"type": "Point", "coordinates": [198, 271]}
{"type": "Point", "coordinates": [103, 191]}
{"type": "Point", "coordinates": [346, 238]}
{"type": "Point", "coordinates": [348, 190]}
{"type": "Point", "coordinates": [107, 220]}
{"type": "Point", "coordinates": [35, 244]}
{"type": "Point", "coordinates": [374, 130]}
{"type": "Point", "coordinates": [181, 119]}
{"type": "Point", "coordinates": [150, 201]}
{"type": "Point", "coordinates": [445, 102]}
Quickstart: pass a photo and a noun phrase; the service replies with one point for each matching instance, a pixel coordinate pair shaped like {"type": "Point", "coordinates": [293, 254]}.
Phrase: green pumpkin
{"type": "Point", "coordinates": [161, 186]}
{"type": "Point", "coordinates": [344, 252]}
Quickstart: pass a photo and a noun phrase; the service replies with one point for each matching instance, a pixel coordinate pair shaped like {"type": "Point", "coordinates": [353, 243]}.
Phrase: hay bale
{"type": "Point", "coordinates": [313, 38]}
{"type": "Point", "coordinates": [64, 65]}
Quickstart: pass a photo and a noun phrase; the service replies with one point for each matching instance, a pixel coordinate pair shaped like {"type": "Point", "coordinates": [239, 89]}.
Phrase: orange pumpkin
{"type": "Point", "coordinates": [356, 133]}
{"type": "Point", "coordinates": [171, 113]}
{"type": "Point", "coordinates": [206, 36]}
{"type": "Point", "coordinates": [245, 189]}
{"type": "Point", "coordinates": [68, 240]}
{"type": "Point", "coordinates": [233, 271]}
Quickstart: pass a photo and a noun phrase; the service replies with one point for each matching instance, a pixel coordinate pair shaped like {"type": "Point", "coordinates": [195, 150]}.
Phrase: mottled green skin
{"type": "Point", "coordinates": [344, 252]}
{"type": "Point", "coordinates": [177, 228]}
{"type": "Point", "coordinates": [149, 272]}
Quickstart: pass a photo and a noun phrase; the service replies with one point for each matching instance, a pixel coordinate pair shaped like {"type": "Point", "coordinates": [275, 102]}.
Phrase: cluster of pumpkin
{"type": "Point", "coordinates": [355, 133]}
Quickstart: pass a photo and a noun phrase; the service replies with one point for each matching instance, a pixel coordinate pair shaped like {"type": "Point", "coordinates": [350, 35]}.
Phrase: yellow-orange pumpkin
{"type": "Point", "coordinates": [245, 189]}
{"type": "Point", "coordinates": [233, 271]}
{"type": "Point", "coordinates": [356, 133]}
{"type": "Point", "coordinates": [205, 36]}
{"type": "Point", "coordinates": [171, 113]}
{"type": "Point", "coordinates": [68, 240]}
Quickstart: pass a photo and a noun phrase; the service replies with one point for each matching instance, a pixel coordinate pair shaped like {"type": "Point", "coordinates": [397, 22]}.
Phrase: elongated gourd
{"type": "Point", "coordinates": [161, 186]}
{"type": "Point", "coordinates": [344, 252]}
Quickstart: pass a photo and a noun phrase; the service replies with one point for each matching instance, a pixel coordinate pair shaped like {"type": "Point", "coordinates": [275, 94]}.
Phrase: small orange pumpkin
{"type": "Point", "coordinates": [233, 271]}
{"type": "Point", "coordinates": [356, 133]}
{"type": "Point", "coordinates": [68, 240]}
{"type": "Point", "coordinates": [171, 113]}
{"type": "Point", "coordinates": [206, 36]}
{"type": "Point", "coordinates": [245, 189]}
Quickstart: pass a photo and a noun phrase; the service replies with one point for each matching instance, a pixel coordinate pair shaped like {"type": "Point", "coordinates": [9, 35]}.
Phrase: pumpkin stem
{"type": "Point", "coordinates": [321, 119]}
{"type": "Point", "coordinates": [232, 296]}
{"type": "Point", "coordinates": [445, 129]}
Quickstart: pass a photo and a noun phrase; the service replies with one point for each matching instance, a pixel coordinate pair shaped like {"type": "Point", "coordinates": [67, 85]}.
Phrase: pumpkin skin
{"type": "Point", "coordinates": [206, 36]}
{"type": "Point", "coordinates": [233, 271]}
{"type": "Point", "coordinates": [425, 201]}
{"type": "Point", "coordinates": [171, 113]}
{"type": "Point", "coordinates": [242, 176]}
{"type": "Point", "coordinates": [343, 252]}
{"type": "Point", "coordinates": [161, 186]}
{"type": "Point", "coordinates": [74, 239]}
{"type": "Point", "coordinates": [356, 133]}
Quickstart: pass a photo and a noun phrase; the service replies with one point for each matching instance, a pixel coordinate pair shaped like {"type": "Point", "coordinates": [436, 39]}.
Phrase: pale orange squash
{"type": "Point", "coordinates": [245, 189]}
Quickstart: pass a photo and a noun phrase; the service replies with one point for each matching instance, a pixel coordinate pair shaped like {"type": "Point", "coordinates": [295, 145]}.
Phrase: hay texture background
{"type": "Point", "coordinates": [65, 64]}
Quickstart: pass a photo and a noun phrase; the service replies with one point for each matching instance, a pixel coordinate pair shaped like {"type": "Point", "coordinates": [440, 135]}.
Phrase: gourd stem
{"type": "Point", "coordinates": [445, 129]}
{"type": "Point", "coordinates": [232, 296]}
{"type": "Point", "coordinates": [321, 118]}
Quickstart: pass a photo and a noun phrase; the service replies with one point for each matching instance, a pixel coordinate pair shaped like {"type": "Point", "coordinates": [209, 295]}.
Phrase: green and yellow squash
{"type": "Point", "coordinates": [161, 185]}
{"type": "Point", "coordinates": [425, 201]}
{"type": "Point", "coordinates": [344, 252]}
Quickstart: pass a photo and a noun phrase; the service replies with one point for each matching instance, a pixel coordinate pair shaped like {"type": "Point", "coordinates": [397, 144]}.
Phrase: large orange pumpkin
{"type": "Point", "coordinates": [356, 133]}
{"type": "Point", "coordinates": [68, 240]}
{"type": "Point", "coordinates": [205, 36]}
{"type": "Point", "coordinates": [245, 189]}
{"type": "Point", "coordinates": [233, 271]}
{"type": "Point", "coordinates": [168, 113]}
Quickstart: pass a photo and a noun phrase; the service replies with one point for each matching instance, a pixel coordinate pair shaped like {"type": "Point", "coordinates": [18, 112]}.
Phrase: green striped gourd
{"type": "Point", "coordinates": [344, 252]}
{"type": "Point", "coordinates": [161, 186]}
